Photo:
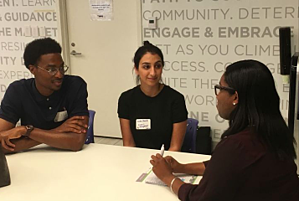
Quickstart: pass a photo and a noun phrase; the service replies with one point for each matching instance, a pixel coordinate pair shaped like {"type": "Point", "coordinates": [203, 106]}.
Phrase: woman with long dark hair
{"type": "Point", "coordinates": [255, 158]}
{"type": "Point", "coordinates": [152, 113]}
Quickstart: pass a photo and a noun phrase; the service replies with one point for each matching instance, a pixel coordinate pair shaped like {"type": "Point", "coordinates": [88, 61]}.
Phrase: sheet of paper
{"type": "Point", "coordinates": [101, 10]}
{"type": "Point", "coordinates": [151, 178]}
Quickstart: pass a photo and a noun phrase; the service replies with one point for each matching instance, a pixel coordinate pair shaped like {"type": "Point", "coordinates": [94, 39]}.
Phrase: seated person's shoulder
{"type": "Point", "coordinates": [12, 102]}
{"type": "Point", "coordinates": [129, 93]}
{"type": "Point", "coordinates": [21, 83]}
{"type": "Point", "coordinates": [73, 84]}
{"type": "Point", "coordinates": [19, 87]}
{"type": "Point", "coordinates": [245, 140]}
{"type": "Point", "coordinates": [172, 92]}
{"type": "Point", "coordinates": [242, 136]}
{"type": "Point", "coordinates": [73, 80]}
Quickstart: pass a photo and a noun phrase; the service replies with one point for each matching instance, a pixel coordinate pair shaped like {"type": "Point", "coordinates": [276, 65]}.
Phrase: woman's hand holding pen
{"type": "Point", "coordinates": [164, 167]}
{"type": "Point", "coordinates": [161, 168]}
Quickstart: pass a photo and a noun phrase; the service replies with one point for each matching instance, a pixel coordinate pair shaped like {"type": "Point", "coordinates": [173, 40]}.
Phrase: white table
{"type": "Point", "coordinates": [98, 172]}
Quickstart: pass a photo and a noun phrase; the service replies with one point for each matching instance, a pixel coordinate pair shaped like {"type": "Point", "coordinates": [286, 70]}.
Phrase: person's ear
{"type": "Point", "coordinates": [32, 69]}
{"type": "Point", "coordinates": [136, 70]}
{"type": "Point", "coordinates": [236, 98]}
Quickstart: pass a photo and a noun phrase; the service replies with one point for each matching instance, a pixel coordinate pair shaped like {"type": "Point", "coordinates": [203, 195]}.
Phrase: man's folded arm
{"type": "Point", "coordinates": [11, 138]}
{"type": "Point", "coordinates": [70, 135]}
{"type": "Point", "coordinates": [21, 144]}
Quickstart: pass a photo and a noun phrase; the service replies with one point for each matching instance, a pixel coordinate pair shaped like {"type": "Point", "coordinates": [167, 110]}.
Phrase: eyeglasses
{"type": "Point", "coordinates": [218, 88]}
{"type": "Point", "coordinates": [52, 71]}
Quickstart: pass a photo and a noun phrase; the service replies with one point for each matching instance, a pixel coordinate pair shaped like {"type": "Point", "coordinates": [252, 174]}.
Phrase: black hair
{"type": "Point", "coordinates": [141, 51]}
{"type": "Point", "coordinates": [35, 49]}
{"type": "Point", "coordinates": [258, 106]}
{"type": "Point", "coordinates": [147, 47]}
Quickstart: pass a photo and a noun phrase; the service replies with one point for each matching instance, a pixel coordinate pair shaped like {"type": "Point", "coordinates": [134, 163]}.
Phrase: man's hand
{"type": "Point", "coordinates": [8, 135]}
{"type": "Point", "coordinates": [73, 125]}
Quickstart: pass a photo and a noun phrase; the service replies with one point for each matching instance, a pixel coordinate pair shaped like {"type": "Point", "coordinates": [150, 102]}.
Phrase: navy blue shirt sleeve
{"type": "Point", "coordinates": [11, 105]}
{"type": "Point", "coordinates": [78, 99]}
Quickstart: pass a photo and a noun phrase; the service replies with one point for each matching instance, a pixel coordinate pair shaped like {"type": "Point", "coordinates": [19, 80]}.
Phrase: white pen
{"type": "Point", "coordinates": [162, 150]}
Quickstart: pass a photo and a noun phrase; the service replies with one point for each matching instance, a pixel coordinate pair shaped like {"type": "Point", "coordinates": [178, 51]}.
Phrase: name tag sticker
{"type": "Point", "coordinates": [143, 124]}
{"type": "Point", "coordinates": [60, 116]}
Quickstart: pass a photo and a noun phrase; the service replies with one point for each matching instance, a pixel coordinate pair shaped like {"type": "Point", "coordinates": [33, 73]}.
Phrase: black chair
{"type": "Point", "coordinates": [90, 134]}
{"type": "Point", "coordinates": [189, 144]}
{"type": "Point", "coordinates": [197, 139]}
{"type": "Point", "coordinates": [204, 140]}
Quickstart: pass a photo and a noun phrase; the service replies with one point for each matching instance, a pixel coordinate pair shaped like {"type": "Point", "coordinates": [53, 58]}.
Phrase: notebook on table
{"type": "Point", "coordinates": [151, 178]}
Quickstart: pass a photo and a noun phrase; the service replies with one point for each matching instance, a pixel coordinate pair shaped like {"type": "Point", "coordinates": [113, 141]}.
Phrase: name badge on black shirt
{"type": "Point", "coordinates": [143, 124]}
{"type": "Point", "coordinates": [60, 116]}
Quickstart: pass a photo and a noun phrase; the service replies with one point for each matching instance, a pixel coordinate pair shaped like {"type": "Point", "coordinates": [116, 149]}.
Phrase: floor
{"type": "Point", "coordinates": [108, 140]}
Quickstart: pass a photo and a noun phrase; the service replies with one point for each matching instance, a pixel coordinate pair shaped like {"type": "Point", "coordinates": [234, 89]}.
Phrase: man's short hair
{"type": "Point", "coordinates": [35, 49]}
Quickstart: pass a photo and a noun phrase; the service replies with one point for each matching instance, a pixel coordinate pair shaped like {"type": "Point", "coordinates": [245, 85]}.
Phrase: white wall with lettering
{"type": "Point", "coordinates": [200, 38]}
{"type": "Point", "coordinates": [21, 21]}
